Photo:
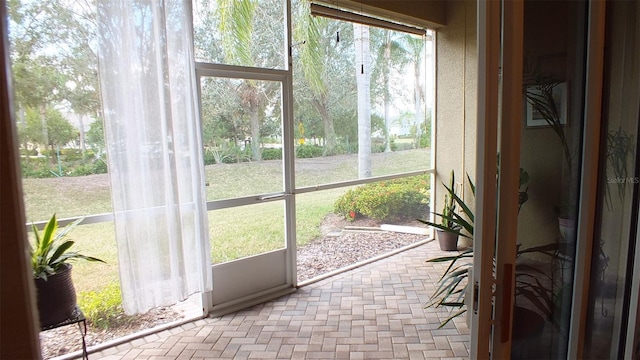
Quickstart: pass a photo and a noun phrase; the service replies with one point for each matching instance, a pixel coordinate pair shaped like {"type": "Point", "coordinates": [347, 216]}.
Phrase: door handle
{"type": "Point", "coordinates": [272, 197]}
{"type": "Point", "coordinates": [507, 302]}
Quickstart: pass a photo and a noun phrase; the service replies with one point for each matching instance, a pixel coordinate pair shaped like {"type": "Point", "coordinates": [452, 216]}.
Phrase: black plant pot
{"type": "Point", "coordinates": [56, 297]}
{"type": "Point", "coordinates": [448, 241]}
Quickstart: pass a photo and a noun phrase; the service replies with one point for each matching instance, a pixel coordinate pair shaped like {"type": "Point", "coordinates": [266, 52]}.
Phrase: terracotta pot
{"type": "Point", "coordinates": [448, 241]}
{"type": "Point", "coordinates": [56, 298]}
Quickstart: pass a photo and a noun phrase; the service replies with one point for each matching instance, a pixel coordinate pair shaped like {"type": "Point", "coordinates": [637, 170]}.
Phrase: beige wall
{"type": "Point", "coordinates": [456, 97]}
{"type": "Point", "coordinates": [432, 12]}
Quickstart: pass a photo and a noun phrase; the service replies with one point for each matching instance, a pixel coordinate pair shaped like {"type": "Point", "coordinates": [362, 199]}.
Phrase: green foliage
{"type": "Point", "coordinates": [452, 284]}
{"type": "Point", "coordinates": [531, 282]}
{"type": "Point", "coordinates": [271, 154]}
{"type": "Point", "coordinates": [377, 148]}
{"type": "Point", "coordinates": [72, 164]}
{"type": "Point", "coordinates": [103, 308]}
{"type": "Point", "coordinates": [235, 154]}
{"type": "Point", "coordinates": [36, 168]}
{"type": "Point", "coordinates": [308, 151]}
{"type": "Point", "coordinates": [451, 220]}
{"type": "Point", "coordinates": [100, 166]}
{"type": "Point", "coordinates": [95, 136]}
{"type": "Point", "coordinates": [51, 251]}
{"type": "Point", "coordinates": [401, 147]}
{"type": "Point", "coordinates": [75, 155]}
{"type": "Point", "coordinates": [59, 130]}
{"type": "Point", "coordinates": [209, 157]}
{"type": "Point", "coordinates": [391, 199]}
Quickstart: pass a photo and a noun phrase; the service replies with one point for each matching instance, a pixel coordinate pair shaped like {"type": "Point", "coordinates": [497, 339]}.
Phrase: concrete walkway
{"type": "Point", "coordinates": [372, 312]}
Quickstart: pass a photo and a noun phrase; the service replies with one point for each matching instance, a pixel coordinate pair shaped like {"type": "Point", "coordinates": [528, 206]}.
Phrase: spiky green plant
{"type": "Point", "coordinates": [51, 250]}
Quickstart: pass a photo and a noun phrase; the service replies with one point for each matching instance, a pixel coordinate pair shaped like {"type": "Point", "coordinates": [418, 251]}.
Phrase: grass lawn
{"type": "Point", "coordinates": [234, 232]}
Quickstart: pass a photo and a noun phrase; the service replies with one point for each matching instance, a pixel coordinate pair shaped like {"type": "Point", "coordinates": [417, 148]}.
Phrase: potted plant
{"type": "Point", "coordinates": [50, 261]}
{"type": "Point", "coordinates": [452, 224]}
{"type": "Point", "coordinates": [452, 285]}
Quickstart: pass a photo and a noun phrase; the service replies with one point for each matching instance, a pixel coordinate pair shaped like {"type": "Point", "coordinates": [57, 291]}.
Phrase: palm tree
{"type": "Point", "coordinates": [313, 55]}
{"type": "Point", "coordinates": [391, 54]}
{"type": "Point", "coordinates": [236, 27]}
{"type": "Point", "coordinates": [415, 50]}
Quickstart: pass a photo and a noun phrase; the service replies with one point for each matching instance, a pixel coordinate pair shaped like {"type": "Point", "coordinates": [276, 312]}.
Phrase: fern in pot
{"type": "Point", "coordinates": [51, 258]}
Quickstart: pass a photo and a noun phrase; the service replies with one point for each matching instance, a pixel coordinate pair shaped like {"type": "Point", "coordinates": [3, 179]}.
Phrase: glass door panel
{"type": "Point", "coordinates": [530, 223]}
{"type": "Point", "coordinates": [615, 241]}
{"type": "Point", "coordinates": [550, 153]}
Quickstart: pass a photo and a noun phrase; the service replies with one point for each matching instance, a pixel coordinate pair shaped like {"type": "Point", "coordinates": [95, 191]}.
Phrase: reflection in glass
{"type": "Point", "coordinates": [614, 231]}
{"type": "Point", "coordinates": [553, 79]}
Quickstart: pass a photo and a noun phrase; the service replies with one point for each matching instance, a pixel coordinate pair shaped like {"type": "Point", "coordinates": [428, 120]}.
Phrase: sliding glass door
{"type": "Point", "coordinates": [611, 324]}
{"type": "Point", "coordinates": [541, 71]}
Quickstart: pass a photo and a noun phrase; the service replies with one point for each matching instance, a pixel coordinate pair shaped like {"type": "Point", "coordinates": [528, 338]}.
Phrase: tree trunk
{"type": "Point", "coordinates": [83, 147]}
{"type": "Point", "coordinates": [363, 81]}
{"type": "Point", "coordinates": [385, 77]}
{"type": "Point", "coordinates": [45, 132]}
{"type": "Point", "coordinates": [417, 102]}
{"type": "Point", "coordinates": [327, 123]}
{"type": "Point", "coordinates": [255, 134]}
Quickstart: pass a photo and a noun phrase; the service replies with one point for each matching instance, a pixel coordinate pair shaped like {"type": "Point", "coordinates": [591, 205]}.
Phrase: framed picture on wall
{"type": "Point", "coordinates": [534, 117]}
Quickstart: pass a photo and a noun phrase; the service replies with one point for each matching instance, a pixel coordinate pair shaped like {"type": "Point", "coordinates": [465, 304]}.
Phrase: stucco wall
{"type": "Point", "coordinates": [432, 11]}
{"type": "Point", "coordinates": [456, 98]}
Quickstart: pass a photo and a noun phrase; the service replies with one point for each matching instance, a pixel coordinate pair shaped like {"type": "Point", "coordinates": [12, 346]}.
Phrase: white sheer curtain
{"type": "Point", "coordinates": [154, 147]}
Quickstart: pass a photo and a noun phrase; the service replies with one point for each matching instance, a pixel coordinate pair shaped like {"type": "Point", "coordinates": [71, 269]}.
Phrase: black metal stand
{"type": "Point", "coordinates": [76, 318]}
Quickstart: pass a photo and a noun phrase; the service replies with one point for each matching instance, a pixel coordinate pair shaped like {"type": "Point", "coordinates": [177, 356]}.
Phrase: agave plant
{"type": "Point", "coordinates": [51, 250]}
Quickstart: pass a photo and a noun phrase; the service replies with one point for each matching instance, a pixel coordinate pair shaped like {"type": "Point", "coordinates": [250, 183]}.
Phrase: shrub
{"type": "Point", "coordinates": [271, 154]}
{"type": "Point", "coordinates": [308, 151]}
{"type": "Point", "coordinates": [342, 148]}
{"type": "Point", "coordinates": [100, 166]}
{"type": "Point", "coordinates": [103, 308]}
{"type": "Point", "coordinates": [402, 146]}
{"type": "Point", "coordinates": [392, 199]}
{"type": "Point", "coordinates": [71, 154]}
{"type": "Point", "coordinates": [377, 148]}
{"type": "Point", "coordinates": [36, 168]}
{"type": "Point", "coordinates": [82, 170]}
{"type": "Point", "coordinates": [209, 157]}
{"type": "Point", "coordinates": [234, 154]}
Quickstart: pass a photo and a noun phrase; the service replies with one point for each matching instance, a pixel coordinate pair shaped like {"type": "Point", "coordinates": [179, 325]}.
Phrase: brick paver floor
{"type": "Point", "coordinates": [372, 312]}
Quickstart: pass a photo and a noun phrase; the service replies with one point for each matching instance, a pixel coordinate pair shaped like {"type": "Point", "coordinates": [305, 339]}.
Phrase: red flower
{"type": "Point", "coordinates": [352, 214]}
